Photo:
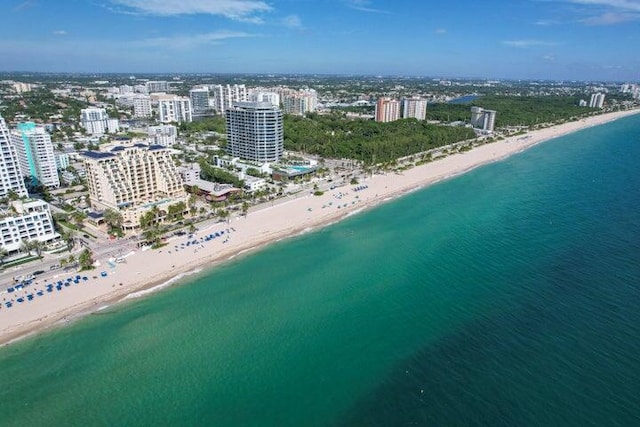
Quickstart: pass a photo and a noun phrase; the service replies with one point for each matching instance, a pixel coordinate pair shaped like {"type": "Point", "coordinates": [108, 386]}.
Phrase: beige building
{"type": "Point", "coordinates": [387, 110]}
{"type": "Point", "coordinates": [132, 180]}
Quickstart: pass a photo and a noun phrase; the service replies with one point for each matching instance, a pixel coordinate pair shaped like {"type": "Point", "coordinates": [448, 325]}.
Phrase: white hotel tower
{"type": "Point", "coordinates": [255, 131]}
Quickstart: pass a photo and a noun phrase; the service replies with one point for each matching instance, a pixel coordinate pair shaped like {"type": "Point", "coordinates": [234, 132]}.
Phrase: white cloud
{"type": "Point", "coordinates": [60, 33]}
{"type": "Point", "coordinates": [610, 18]}
{"type": "Point", "coordinates": [189, 41]}
{"type": "Point", "coordinates": [292, 21]}
{"type": "Point", "coordinates": [630, 5]}
{"type": "Point", "coordinates": [608, 12]}
{"type": "Point", "coordinates": [241, 10]}
{"type": "Point", "coordinates": [524, 44]}
{"type": "Point", "coordinates": [440, 31]}
{"type": "Point", "coordinates": [363, 6]}
{"type": "Point", "coordinates": [546, 22]}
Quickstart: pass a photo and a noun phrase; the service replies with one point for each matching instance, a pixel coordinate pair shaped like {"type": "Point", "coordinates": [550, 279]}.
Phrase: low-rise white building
{"type": "Point", "coordinates": [164, 135]}
{"type": "Point", "coordinates": [97, 122]}
{"type": "Point", "coordinates": [26, 220]}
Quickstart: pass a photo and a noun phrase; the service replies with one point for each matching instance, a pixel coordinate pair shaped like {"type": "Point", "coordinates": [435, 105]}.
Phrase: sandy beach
{"type": "Point", "coordinates": [144, 271]}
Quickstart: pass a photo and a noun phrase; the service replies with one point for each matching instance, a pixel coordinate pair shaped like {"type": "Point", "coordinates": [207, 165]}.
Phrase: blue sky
{"type": "Point", "coordinates": [541, 39]}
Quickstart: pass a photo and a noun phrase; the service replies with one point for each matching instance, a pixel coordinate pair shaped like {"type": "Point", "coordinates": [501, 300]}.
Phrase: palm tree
{"type": "Point", "coordinates": [78, 218]}
{"type": "Point", "coordinates": [3, 254]}
{"type": "Point", "coordinates": [152, 235]}
{"type": "Point", "coordinates": [26, 246]}
{"type": "Point", "coordinates": [86, 259]}
{"type": "Point", "coordinates": [113, 219]}
{"type": "Point", "coordinates": [69, 238]}
{"type": "Point", "coordinates": [37, 246]}
{"type": "Point", "coordinates": [245, 208]}
{"type": "Point", "coordinates": [223, 213]}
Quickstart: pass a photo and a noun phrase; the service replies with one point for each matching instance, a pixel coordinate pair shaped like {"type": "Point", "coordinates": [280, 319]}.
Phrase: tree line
{"type": "Point", "coordinates": [368, 141]}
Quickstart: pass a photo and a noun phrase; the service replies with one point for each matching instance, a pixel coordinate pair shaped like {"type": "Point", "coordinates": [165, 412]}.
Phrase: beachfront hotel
{"type": "Point", "coordinates": [25, 220]}
{"type": "Point", "coordinates": [414, 108]}
{"type": "Point", "coordinates": [132, 180]}
{"type": "Point", "coordinates": [255, 131]}
{"type": "Point", "coordinates": [387, 110]}
{"type": "Point", "coordinates": [10, 173]}
{"type": "Point", "coordinates": [35, 154]}
{"type": "Point", "coordinates": [483, 119]}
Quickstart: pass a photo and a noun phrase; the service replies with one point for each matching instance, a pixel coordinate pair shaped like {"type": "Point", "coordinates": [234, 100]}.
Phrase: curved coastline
{"type": "Point", "coordinates": [147, 272]}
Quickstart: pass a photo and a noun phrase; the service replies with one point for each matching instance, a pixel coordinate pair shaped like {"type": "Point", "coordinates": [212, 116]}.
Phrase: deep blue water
{"type": "Point", "coordinates": [505, 297]}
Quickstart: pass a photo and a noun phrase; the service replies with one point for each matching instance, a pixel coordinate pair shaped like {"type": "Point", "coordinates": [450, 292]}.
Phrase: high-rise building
{"type": "Point", "coordinates": [415, 108]}
{"type": "Point", "coordinates": [97, 122]}
{"type": "Point", "coordinates": [483, 119]}
{"type": "Point", "coordinates": [255, 131]}
{"type": "Point", "coordinates": [142, 106]}
{"type": "Point", "coordinates": [35, 154]}
{"type": "Point", "coordinates": [597, 100]}
{"type": "Point", "coordinates": [300, 102]}
{"type": "Point", "coordinates": [164, 135]}
{"type": "Point", "coordinates": [10, 173]}
{"type": "Point", "coordinates": [387, 109]}
{"type": "Point", "coordinates": [28, 220]}
{"type": "Point", "coordinates": [225, 96]}
{"type": "Point", "coordinates": [174, 108]}
{"type": "Point", "coordinates": [132, 180]}
{"type": "Point", "coordinates": [199, 101]}
{"type": "Point", "coordinates": [157, 86]}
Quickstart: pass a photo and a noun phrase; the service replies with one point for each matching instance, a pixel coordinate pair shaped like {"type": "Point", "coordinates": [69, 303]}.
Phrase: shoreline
{"type": "Point", "coordinates": [146, 272]}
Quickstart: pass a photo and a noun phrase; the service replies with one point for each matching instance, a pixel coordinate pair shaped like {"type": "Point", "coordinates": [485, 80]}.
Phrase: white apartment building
{"type": "Point", "coordinates": [255, 131]}
{"type": "Point", "coordinates": [157, 86]}
{"type": "Point", "coordinates": [225, 96]}
{"type": "Point", "coordinates": [35, 154]}
{"type": "Point", "coordinates": [387, 110]}
{"type": "Point", "coordinates": [132, 180]}
{"type": "Point", "coordinates": [142, 106]}
{"type": "Point", "coordinates": [125, 90]}
{"type": "Point", "coordinates": [25, 220]}
{"type": "Point", "coordinates": [199, 97]}
{"type": "Point", "coordinates": [10, 172]}
{"type": "Point", "coordinates": [483, 119]}
{"type": "Point", "coordinates": [96, 121]}
{"type": "Point", "coordinates": [174, 108]}
{"type": "Point", "coordinates": [415, 108]}
{"type": "Point", "coordinates": [164, 135]}
{"type": "Point", "coordinates": [597, 100]}
{"type": "Point", "coordinates": [258, 95]}
{"type": "Point", "coordinates": [62, 161]}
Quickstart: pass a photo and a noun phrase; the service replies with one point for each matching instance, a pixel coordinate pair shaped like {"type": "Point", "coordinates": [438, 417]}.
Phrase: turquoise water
{"type": "Point", "coordinates": [507, 296]}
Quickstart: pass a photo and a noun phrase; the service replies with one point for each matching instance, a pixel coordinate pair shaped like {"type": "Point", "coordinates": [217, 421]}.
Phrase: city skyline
{"type": "Point", "coordinates": [526, 39]}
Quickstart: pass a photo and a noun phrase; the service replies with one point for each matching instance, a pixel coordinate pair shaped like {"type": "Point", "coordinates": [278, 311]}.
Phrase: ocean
{"type": "Point", "coordinates": [507, 296]}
